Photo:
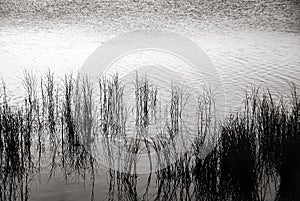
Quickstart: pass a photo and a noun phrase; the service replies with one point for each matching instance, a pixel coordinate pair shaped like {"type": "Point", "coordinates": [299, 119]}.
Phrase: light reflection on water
{"type": "Point", "coordinates": [242, 58]}
{"type": "Point", "coordinates": [263, 58]}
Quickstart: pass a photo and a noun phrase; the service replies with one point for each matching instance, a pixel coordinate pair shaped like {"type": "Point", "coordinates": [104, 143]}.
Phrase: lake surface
{"type": "Point", "coordinates": [267, 59]}
{"type": "Point", "coordinates": [242, 57]}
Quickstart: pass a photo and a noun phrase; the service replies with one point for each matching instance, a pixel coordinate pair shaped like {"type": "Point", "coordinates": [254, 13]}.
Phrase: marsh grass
{"type": "Point", "coordinates": [205, 170]}
{"type": "Point", "coordinates": [59, 127]}
{"type": "Point", "coordinates": [76, 132]}
{"type": "Point", "coordinates": [288, 165]}
{"type": "Point", "coordinates": [252, 151]}
{"type": "Point", "coordinates": [15, 150]}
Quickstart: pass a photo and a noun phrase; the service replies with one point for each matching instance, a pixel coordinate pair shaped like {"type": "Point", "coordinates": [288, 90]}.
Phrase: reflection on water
{"type": "Point", "coordinates": [68, 146]}
{"type": "Point", "coordinates": [242, 58]}
{"type": "Point", "coordinates": [44, 155]}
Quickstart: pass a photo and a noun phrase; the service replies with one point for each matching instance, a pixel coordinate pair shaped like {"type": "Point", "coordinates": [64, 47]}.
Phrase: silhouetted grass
{"type": "Point", "coordinates": [15, 152]}
{"type": "Point", "coordinates": [289, 161]}
{"type": "Point", "coordinates": [63, 126]}
{"type": "Point", "coordinates": [256, 148]}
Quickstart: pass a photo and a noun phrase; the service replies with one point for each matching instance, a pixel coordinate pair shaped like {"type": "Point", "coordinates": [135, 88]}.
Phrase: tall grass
{"type": "Point", "coordinates": [205, 170]}
{"type": "Point", "coordinates": [76, 132]}
{"type": "Point", "coordinates": [62, 126]}
{"type": "Point", "coordinates": [252, 152]}
{"type": "Point", "coordinates": [288, 165]}
{"type": "Point", "coordinates": [15, 151]}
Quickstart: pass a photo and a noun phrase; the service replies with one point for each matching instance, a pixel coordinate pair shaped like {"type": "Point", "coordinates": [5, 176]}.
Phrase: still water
{"type": "Point", "coordinates": [242, 58]}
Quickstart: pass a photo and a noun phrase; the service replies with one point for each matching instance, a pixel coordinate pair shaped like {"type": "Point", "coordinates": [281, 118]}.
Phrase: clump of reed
{"type": "Point", "coordinates": [255, 148]}
{"type": "Point", "coordinates": [121, 147]}
{"type": "Point", "coordinates": [51, 124]}
{"type": "Point", "coordinates": [242, 157]}
{"type": "Point", "coordinates": [48, 134]}
{"type": "Point", "coordinates": [77, 127]}
{"type": "Point", "coordinates": [146, 111]}
{"type": "Point", "coordinates": [173, 174]}
{"type": "Point", "coordinates": [112, 120]}
{"type": "Point", "coordinates": [238, 178]}
{"type": "Point", "coordinates": [288, 162]}
{"type": "Point", "coordinates": [205, 169]}
{"type": "Point", "coordinates": [15, 151]}
{"type": "Point", "coordinates": [113, 114]}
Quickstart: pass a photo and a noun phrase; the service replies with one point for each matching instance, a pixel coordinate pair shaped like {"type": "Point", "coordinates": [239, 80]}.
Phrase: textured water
{"type": "Point", "coordinates": [269, 59]}
{"type": "Point", "coordinates": [242, 58]}
{"type": "Point", "coordinates": [65, 34]}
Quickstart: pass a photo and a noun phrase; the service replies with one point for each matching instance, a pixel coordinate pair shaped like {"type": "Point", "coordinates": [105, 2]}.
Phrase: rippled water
{"type": "Point", "coordinates": [242, 58]}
